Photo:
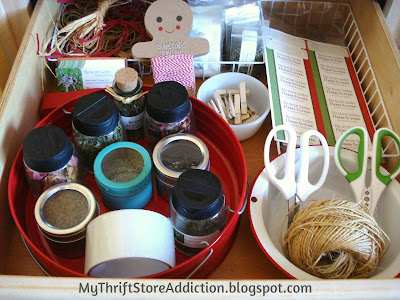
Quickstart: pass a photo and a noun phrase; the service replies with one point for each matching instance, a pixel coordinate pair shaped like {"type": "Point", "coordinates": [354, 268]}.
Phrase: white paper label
{"type": "Point", "coordinates": [192, 241]}
{"type": "Point", "coordinates": [132, 123]}
{"type": "Point", "coordinates": [97, 73]}
{"type": "Point", "coordinates": [248, 47]}
{"type": "Point", "coordinates": [294, 94]}
{"type": "Point", "coordinates": [341, 99]}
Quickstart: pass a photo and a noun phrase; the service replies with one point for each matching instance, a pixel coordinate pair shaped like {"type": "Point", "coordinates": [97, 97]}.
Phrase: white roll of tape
{"type": "Point", "coordinates": [129, 243]}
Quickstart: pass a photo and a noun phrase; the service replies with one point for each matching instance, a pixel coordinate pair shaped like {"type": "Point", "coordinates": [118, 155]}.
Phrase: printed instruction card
{"type": "Point", "coordinates": [313, 85]}
{"type": "Point", "coordinates": [78, 74]}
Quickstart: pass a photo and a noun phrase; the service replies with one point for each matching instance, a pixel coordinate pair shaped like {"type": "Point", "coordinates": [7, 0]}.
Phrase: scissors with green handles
{"type": "Point", "coordinates": [368, 195]}
{"type": "Point", "coordinates": [294, 190]}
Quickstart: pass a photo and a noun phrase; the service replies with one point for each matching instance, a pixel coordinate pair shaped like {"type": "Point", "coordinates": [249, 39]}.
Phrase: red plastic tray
{"type": "Point", "coordinates": [226, 161]}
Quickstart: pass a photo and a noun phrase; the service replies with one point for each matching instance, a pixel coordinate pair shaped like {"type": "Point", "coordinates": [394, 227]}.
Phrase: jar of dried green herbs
{"type": "Point", "coordinates": [62, 214]}
{"type": "Point", "coordinates": [95, 125]}
{"type": "Point", "coordinates": [129, 99]}
{"type": "Point", "coordinates": [197, 210]}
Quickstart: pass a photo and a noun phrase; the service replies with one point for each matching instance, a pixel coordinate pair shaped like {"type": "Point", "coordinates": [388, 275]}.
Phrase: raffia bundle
{"type": "Point", "coordinates": [125, 100]}
{"type": "Point", "coordinates": [82, 30]}
{"type": "Point", "coordinates": [335, 239]}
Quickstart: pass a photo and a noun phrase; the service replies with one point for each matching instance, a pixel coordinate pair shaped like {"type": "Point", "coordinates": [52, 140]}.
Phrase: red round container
{"type": "Point", "coordinates": [227, 162]}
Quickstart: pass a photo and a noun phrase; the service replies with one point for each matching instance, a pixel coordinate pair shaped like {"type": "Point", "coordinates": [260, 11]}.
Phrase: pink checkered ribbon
{"type": "Point", "coordinates": [178, 67]}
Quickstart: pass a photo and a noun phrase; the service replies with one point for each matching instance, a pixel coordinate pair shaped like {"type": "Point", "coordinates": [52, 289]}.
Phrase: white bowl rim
{"type": "Point", "coordinates": [273, 254]}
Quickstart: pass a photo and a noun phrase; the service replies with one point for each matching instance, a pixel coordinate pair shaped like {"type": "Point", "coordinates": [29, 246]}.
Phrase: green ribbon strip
{"type": "Point", "coordinates": [276, 105]}
{"type": "Point", "coordinates": [321, 99]}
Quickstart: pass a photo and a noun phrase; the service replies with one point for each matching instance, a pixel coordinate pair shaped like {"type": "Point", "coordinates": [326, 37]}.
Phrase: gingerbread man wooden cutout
{"type": "Point", "coordinates": [169, 23]}
{"type": "Point", "coordinates": [171, 51]}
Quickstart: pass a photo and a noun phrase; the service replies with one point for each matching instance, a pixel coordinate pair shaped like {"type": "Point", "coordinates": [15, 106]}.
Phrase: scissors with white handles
{"type": "Point", "coordinates": [368, 195]}
{"type": "Point", "coordinates": [294, 190]}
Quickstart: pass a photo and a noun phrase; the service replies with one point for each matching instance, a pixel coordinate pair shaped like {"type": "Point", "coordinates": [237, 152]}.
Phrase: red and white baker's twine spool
{"type": "Point", "coordinates": [177, 67]}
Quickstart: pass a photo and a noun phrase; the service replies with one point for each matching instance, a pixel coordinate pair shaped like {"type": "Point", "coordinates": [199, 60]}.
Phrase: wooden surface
{"type": "Point", "coordinates": [392, 13]}
{"type": "Point", "coordinates": [379, 43]}
{"type": "Point", "coordinates": [246, 260]}
{"type": "Point", "coordinates": [18, 114]}
{"type": "Point", "coordinates": [19, 108]}
{"type": "Point", "coordinates": [14, 18]}
{"type": "Point", "coordinates": [4, 69]}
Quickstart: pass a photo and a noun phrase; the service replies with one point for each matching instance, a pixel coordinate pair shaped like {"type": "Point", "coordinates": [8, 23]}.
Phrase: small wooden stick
{"type": "Point", "coordinates": [214, 107]}
{"type": "Point", "coordinates": [226, 107]}
{"type": "Point", "coordinates": [243, 99]}
{"type": "Point", "coordinates": [231, 106]}
{"type": "Point", "coordinates": [237, 109]}
{"type": "Point", "coordinates": [217, 96]}
{"type": "Point", "coordinates": [221, 107]}
{"type": "Point", "coordinates": [244, 117]}
{"type": "Point", "coordinates": [251, 119]}
{"type": "Point", "coordinates": [237, 91]}
{"type": "Point", "coordinates": [251, 109]}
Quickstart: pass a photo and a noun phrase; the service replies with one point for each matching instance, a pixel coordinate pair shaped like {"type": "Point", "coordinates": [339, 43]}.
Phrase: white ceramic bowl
{"type": "Point", "coordinates": [129, 243]}
{"type": "Point", "coordinates": [258, 98]}
{"type": "Point", "coordinates": [268, 209]}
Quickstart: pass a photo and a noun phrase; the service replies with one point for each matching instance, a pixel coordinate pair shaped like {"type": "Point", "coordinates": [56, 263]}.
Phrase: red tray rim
{"type": "Point", "coordinates": [34, 250]}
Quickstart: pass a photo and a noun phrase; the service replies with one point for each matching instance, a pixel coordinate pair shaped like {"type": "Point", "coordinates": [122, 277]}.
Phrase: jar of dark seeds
{"type": "Point", "coordinates": [49, 159]}
{"type": "Point", "coordinates": [123, 173]}
{"type": "Point", "coordinates": [168, 111]}
{"type": "Point", "coordinates": [62, 213]}
{"type": "Point", "coordinates": [95, 125]}
{"type": "Point", "coordinates": [130, 104]}
{"type": "Point", "coordinates": [197, 210]}
{"type": "Point", "coordinates": [174, 155]}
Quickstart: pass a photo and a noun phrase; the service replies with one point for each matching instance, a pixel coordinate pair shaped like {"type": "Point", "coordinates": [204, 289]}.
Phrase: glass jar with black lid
{"type": "Point", "coordinates": [174, 155]}
{"type": "Point", "coordinates": [168, 110]}
{"type": "Point", "coordinates": [49, 159]}
{"type": "Point", "coordinates": [197, 210]}
{"type": "Point", "coordinates": [95, 125]}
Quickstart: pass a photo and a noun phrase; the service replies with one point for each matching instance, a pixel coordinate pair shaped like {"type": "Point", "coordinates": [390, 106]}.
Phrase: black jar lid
{"type": "Point", "coordinates": [95, 115]}
{"type": "Point", "coordinates": [197, 195]}
{"type": "Point", "coordinates": [168, 102]}
{"type": "Point", "coordinates": [47, 149]}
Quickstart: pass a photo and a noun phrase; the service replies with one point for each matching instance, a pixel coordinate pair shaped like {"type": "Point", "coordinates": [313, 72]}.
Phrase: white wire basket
{"type": "Point", "coordinates": [332, 23]}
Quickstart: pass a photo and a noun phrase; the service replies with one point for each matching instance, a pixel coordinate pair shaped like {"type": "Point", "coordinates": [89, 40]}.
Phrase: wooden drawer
{"type": "Point", "coordinates": [19, 112]}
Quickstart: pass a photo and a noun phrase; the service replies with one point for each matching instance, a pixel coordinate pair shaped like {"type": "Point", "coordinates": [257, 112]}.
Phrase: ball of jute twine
{"type": "Point", "coordinates": [335, 239]}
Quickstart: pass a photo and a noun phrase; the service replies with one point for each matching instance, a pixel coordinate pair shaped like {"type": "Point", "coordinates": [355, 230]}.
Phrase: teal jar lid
{"type": "Point", "coordinates": [123, 169]}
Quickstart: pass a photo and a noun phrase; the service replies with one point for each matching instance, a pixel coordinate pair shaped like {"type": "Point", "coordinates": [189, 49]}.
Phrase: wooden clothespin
{"type": "Point", "coordinates": [243, 98]}
{"type": "Point", "coordinates": [237, 109]}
